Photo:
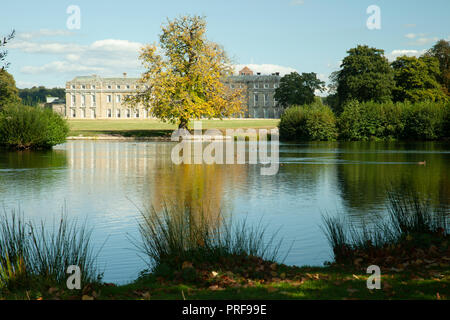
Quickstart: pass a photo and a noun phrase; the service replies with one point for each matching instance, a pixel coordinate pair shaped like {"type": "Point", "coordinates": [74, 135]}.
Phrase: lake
{"type": "Point", "coordinates": [109, 182]}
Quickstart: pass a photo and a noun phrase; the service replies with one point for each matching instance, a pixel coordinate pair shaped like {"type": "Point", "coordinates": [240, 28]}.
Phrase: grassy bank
{"type": "Point", "coordinates": [155, 128]}
{"type": "Point", "coordinates": [332, 282]}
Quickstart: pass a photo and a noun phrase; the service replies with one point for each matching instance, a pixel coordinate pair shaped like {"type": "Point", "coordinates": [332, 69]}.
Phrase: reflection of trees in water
{"type": "Point", "coordinates": [200, 187]}
{"type": "Point", "coordinates": [364, 185]}
{"type": "Point", "coordinates": [29, 167]}
{"type": "Point", "coordinates": [32, 159]}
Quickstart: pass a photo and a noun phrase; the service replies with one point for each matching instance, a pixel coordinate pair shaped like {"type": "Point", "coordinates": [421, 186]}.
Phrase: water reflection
{"type": "Point", "coordinates": [105, 181]}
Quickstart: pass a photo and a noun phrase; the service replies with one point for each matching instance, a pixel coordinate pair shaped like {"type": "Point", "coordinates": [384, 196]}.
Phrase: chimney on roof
{"type": "Point", "coordinates": [258, 73]}
{"type": "Point", "coordinates": [277, 73]}
{"type": "Point", "coordinates": [124, 74]}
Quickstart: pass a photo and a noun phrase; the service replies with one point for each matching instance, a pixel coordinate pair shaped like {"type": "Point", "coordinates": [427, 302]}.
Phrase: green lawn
{"type": "Point", "coordinates": [150, 128]}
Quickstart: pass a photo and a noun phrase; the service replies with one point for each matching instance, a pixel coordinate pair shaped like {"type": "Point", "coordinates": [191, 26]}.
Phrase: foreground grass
{"type": "Point", "coordinates": [155, 128]}
{"type": "Point", "coordinates": [327, 283]}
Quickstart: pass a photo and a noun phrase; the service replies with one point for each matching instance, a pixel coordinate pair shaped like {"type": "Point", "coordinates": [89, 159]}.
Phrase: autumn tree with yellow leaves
{"type": "Point", "coordinates": [184, 75]}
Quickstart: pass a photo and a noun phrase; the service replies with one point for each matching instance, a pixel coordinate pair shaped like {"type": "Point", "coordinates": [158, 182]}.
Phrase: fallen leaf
{"type": "Point", "coordinates": [271, 289]}
{"type": "Point", "coordinates": [86, 297]}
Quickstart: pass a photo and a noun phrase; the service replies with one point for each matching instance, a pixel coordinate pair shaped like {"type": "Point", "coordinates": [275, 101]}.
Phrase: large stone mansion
{"type": "Point", "coordinates": [94, 97]}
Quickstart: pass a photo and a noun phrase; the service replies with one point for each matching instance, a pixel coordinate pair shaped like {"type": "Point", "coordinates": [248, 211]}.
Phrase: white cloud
{"type": "Point", "coordinates": [61, 67]}
{"type": "Point", "coordinates": [108, 56]}
{"type": "Point", "coordinates": [410, 35]}
{"type": "Point", "coordinates": [44, 33]}
{"type": "Point", "coordinates": [265, 68]}
{"type": "Point", "coordinates": [297, 2]}
{"type": "Point", "coordinates": [404, 52]}
{"type": "Point", "coordinates": [423, 41]}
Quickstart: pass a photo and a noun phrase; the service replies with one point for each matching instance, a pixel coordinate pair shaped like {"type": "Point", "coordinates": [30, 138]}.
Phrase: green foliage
{"type": "Point", "coordinates": [424, 121]}
{"type": "Point", "coordinates": [9, 94]}
{"type": "Point", "coordinates": [441, 51]}
{"type": "Point", "coordinates": [365, 75]}
{"type": "Point", "coordinates": [24, 127]}
{"type": "Point", "coordinates": [296, 89]}
{"type": "Point", "coordinates": [309, 122]}
{"type": "Point", "coordinates": [36, 95]}
{"type": "Point", "coordinates": [385, 121]}
{"type": "Point", "coordinates": [416, 79]}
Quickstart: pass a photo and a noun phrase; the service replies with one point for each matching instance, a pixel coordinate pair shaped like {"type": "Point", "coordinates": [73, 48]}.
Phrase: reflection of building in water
{"type": "Point", "coordinates": [147, 169]}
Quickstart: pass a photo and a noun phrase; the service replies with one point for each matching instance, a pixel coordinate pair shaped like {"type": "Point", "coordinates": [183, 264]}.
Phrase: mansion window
{"type": "Point", "coordinates": [118, 87]}
{"type": "Point", "coordinates": [118, 113]}
{"type": "Point", "coordinates": [109, 87]}
{"type": "Point", "coordinates": [275, 85]}
{"type": "Point", "coordinates": [128, 87]}
{"type": "Point", "coordinates": [266, 99]}
{"type": "Point", "coordinates": [93, 100]}
{"type": "Point", "coordinates": [256, 85]}
{"type": "Point", "coordinates": [83, 100]}
{"type": "Point", "coordinates": [266, 86]}
{"type": "Point", "coordinates": [74, 113]}
{"type": "Point", "coordinates": [255, 100]}
{"type": "Point", "coordinates": [128, 113]}
{"type": "Point", "coordinates": [109, 113]}
{"type": "Point", "coordinates": [83, 86]}
{"type": "Point", "coordinates": [109, 98]}
{"type": "Point", "coordinates": [118, 98]}
{"type": "Point", "coordinates": [73, 100]}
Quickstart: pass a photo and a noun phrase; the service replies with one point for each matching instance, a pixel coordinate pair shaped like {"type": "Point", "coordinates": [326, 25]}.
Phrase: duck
{"type": "Point", "coordinates": [422, 163]}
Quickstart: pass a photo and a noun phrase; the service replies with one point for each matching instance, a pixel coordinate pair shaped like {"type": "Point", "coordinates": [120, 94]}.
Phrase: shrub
{"type": "Point", "coordinates": [424, 121]}
{"type": "Point", "coordinates": [410, 223]}
{"type": "Point", "coordinates": [31, 253]}
{"type": "Point", "coordinates": [24, 127]}
{"type": "Point", "coordinates": [314, 122]}
{"type": "Point", "coordinates": [176, 237]}
{"type": "Point", "coordinates": [384, 121]}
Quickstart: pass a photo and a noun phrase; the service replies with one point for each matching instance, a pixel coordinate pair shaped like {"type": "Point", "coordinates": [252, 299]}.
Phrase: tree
{"type": "Point", "coordinates": [441, 51]}
{"type": "Point", "coordinates": [416, 79]}
{"type": "Point", "coordinates": [184, 75]}
{"type": "Point", "coordinates": [296, 89]}
{"type": "Point", "coordinates": [365, 75]}
{"type": "Point", "coordinates": [4, 53]}
{"type": "Point", "coordinates": [36, 95]}
{"type": "Point", "coordinates": [9, 93]}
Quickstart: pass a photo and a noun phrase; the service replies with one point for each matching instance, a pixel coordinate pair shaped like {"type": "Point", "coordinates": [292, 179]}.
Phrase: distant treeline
{"type": "Point", "coordinates": [36, 95]}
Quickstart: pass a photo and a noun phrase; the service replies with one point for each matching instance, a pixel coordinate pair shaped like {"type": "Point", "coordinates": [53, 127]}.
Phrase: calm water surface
{"type": "Point", "coordinates": [108, 182]}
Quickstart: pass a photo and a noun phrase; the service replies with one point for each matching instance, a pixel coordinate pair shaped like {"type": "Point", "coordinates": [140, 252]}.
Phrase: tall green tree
{"type": "Point", "coordinates": [9, 93]}
{"type": "Point", "coordinates": [184, 75]}
{"type": "Point", "coordinates": [365, 75]}
{"type": "Point", "coordinates": [296, 89]}
{"type": "Point", "coordinates": [416, 79]}
{"type": "Point", "coordinates": [441, 51]}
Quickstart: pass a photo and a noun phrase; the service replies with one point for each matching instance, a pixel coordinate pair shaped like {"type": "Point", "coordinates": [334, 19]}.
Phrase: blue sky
{"type": "Point", "coordinates": [276, 35]}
